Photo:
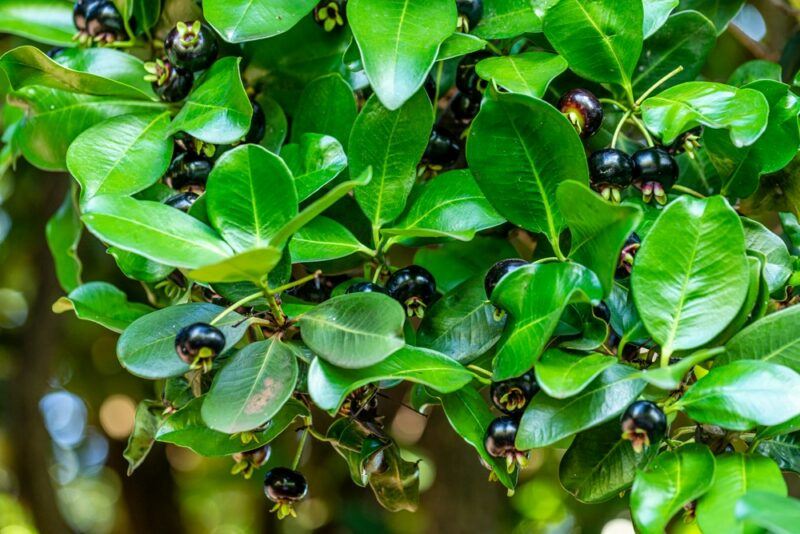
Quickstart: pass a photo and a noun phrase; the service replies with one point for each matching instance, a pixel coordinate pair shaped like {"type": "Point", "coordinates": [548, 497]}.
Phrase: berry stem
{"type": "Point", "coordinates": [237, 304]}
{"type": "Point", "coordinates": [299, 454]}
{"type": "Point", "coordinates": [656, 85]}
{"type": "Point", "coordinates": [275, 308]}
{"type": "Point", "coordinates": [480, 370]}
{"type": "Point", "coordinates": [299, 282]}
{"type": "Point", "coordinates": [618, 130]}
{"type": "Point", "coordinates": [642, 128]}
{"type": "Point", "coordinates": [687, 190]}
{"type": "Point", "coordinates": [491, 46]}
{"type": "Point", "coordinates": [615, 103]}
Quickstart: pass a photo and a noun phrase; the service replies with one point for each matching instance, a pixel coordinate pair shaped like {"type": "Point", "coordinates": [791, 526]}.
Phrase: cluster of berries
{"type": "Point", "coordinates": [97, 21]}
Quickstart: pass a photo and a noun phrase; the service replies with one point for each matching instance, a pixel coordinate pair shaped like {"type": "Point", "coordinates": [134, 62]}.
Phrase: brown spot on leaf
{"type": "Point", "coordinates": [258, 401]}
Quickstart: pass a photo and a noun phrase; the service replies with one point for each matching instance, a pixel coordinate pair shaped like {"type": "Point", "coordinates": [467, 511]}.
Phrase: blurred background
{"type": "Point", "coordinates": [67, 407]}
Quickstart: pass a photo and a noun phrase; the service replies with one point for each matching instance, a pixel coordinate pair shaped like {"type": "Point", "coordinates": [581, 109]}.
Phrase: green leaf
{"type": "Point", "coordinates": [328, 107]}
{"type": "Point", "coordinates": [779, 265]}
{"type": "Point", "coordinates": [736, 475]}
{"type": "Point", "coordinates": [599, 465]}
{"type": "Point", "coordinates": [64, 231]}
{"type": "Point", "coordinates": [670, 377]}
{"type": "Point", "coordinates": [529, 73]}
{"type": "Point", "coordinates": [186, 428]}
{"type": "Point", "coordinates": [755, 70]}
{"type": "Point", "coordinates": [397, 488]}
{"type": "Point", "coordinates": [599, 229]}
{"type": "Point", "coordinates": [656, 13]}
{"type": "Point", "coordinates": [404, 135]}
{"type": "Point", "coordinates": [122, 155]}
{"type": "Point", "coordinates": [146, 422]}
{"type": "Point", "coordinates": [324, 239]}
{"type": "Point", "coordinates": [773, 339]}
{"type": "Point", "coordinates": [535, 296]}
{"type": "Point", "coordinates": [672, 480]}
{"type": "Point", "coordinates": [108, 63]}
{"type": "Point", "coordinates": [740, 168]}
{"type": "Point", "coordinates": [155, 231]}
{"type": "Point", "coordinates": [27, 65]}
{"type": "Point", "coordinates": [277, 124]}
{"type": "Point", "coordinates": [519, 150]}
{"type": "Point", "coordinates": [461, 324]}
{"type": "Point", "coordinates": [103, 304]}
{"type": "Point", "coordinates": [776, 514]}
{"type": "Point", "coordinates": [600, 41]}
{"type": "Point", "coordinates": [147, 347]}
{"type": "Point", "coordinates": [469, 416]}
{"type": "Point", "coordinates": [691, 275]}
{"type": "Point", "coordinates": [354, 331]}
{"type": "Point", "coordinates": [562, 375]}
{"type": "Point", "coordinates": [146, 13]}
{"type": "Point", "coordinates": [314, 161]}
{"type": "Point", "coordinates": [247, 20]}
{"type": "Point", "coordinates": [743, 394]}
{"type": "Point", "coordinates": [217, 110]}
{"type": "Point", "coordinates": [251, 388]}
{"type": "Point", "coordinates": [509, 18]}
{"type": "Point", "coordinates": [399, 42]}
{"type": "Point", "coordinates": [547, 420]}
{"type": "Point", "coordinates": [742, 111]}
{"type": "Point", "coordinates": [452, 205]}
{"type": "Point", "coordinates": [459, 44]}
{"type": "Point", "coordinates": [455, 262]}
{"type": "Point", "coordinates": [252, 266]}
{"type": "Point", "coordinates": [329, 385]}
{"type": "Point", "coordinates": [685, 41]}
{"type": "Point", "coordinates": [784, 449]}
{"type": "Point", "coordinates": [720, 13]}
{"type": "Point", "coordinates": [250, 195]}
{"type": "Point", "coordinates": [45, 21]}
{"type": "Point", "coordinates": [138, 267]}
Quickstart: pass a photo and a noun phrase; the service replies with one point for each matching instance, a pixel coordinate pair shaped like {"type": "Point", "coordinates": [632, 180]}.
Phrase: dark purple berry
{"type": "Point", "coordinates": [443, 149]}
{"type": "Point", "coordinates": [498, 271]}
{"type": "Point", "coordinates": [654, 173]}
{"type": "Point", "coordinates": [583, 110]}
{"type": "Point", "coordinates": [170, 83]}
{"type": "Point", "coordinates": [512, 396]}
{"type": "Point", "coordinates": [103, 22]}
{"type": "Point", "coordinates": [412, 286]}
{"type": "Point", "coordinates": [610, 171]}
{"type": "Point", "coordinates": [500, 441]}
{"type": "Point", "coordinates": [189, 170]}
{"type": "Point", "coordinates": [470, 13]}
{"type": "Point", "coordinates": [365, 287]}
{"type": "Point", "coordinates": [198, 344]}
{"type": "Point", "coordinates": [284, 487]}
{"type": "Point", "coordinates": [247, 462]}
{"type": "Point", "coordinates": [182, 201]}
{"type": "Point", "coordinates": [191, 46]}
{"type": "Point", "coordinates": [643, 424]}
{"type": "Point", "coordinates": [258, 125]}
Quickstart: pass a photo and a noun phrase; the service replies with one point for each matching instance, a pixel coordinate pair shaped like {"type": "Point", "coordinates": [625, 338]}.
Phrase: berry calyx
{"type": "Point", "coordinates": [643, 424]}
{"type": "Point", "coordinates": [583, 110]}
{"type": "Point", "coordinates": [365, 287]}
{"type": "Point", "coordinates": [498, 271]}
{"type": "Point", "coordinates": [414, 287]}
{"type": "Point", "coordinates": [627, 255]}
{"type": "Point", "coordinates": [189, 171]}
{"type": "Point", "coordinates": [191, 46]}
{"type": "Point", "coordinates": [330, 14]}
{"type": "Point", "coordinates": [470, 13]}
{"type": "Point", "coordinates": [654, 173]}
{"type": "Point", "coordinates": [610, 171]}
{"type": "Point", "coordinates": [687, 142]}
{"type": "Point", "coordinates": [512, 396]}
{"type": "Point", "coordinates": [182, 201]}
{"type": "Point", "coordinates": [247, 462]}
{"type": "Point", "coordinates": [169, 82]}
{"type": "Point", "coordinates": [442, 151]}
{"type": "Point", "coordinates": [198, 344]}
{"type": "Point", "coordinates": [258, 125]}
{"type": "Point", "coordinates": [500, 442]}
{"type": "Point", "coordinates": [284, 487]}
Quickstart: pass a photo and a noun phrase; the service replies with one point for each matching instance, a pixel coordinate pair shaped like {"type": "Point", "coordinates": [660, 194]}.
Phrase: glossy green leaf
{"type": "Point", "coordinates": [186, 428]}
{"type": "Point", "coordinates": [314, 161]}
{"type": "Point", "coordinates": [508, 18]}
{"type": "Point", "coordinates": [327, 106]}
{"type": "Point", "coordinates": [784, 450]}
{"type": "Point", "coordinates": [529, 73]}
{"type": "Point", "coordinates": [63, 232]}
{"type": "Point", "coordinates": [404, 135]}
{"type": "Point", "coordinates": [656, 13]}
{"type": "Point", "coordinates": [452, 205]}
{"type": "Point", "coordinates": [329, 385]}
{"type": "Point", "coordinates": [46, 21]}
{"type": "Point", "coordinates": [248, 20]}
{"type": "Point", "coordinates": [691, 275]}
{"type": "Point", "coordinates": [743, 394]}
{"type": "Point", "coordinates": [354, 331]}
{"type": "Point", "coordinates": [138, 267]}
{"type": "Point", "coordinates": [774, 339]}
{"type": "Point", "coordinates": [680, 108]}
{"type": "Point", "coordinates": [146, 422]}
{"type": "Point", "coordinates": [599, 464]}
{"type": "Point", "coordinates": [102, 303]}
{"type": "Point", "coordinates": [599, 41]}
{"type": "Point", "coordinates": [250, 195]}
{"type": "Point", "coordinates": [755, 70]}
{"type": "Point", "coordinates": [672, 480]}
{"type": "Point", "coordinates": [108, 64]}
{"type": "Point", "coordinates": [251, 388]}
{"type": "Point", "coordinates": [459, 44]}
{"type": "Point", "coordinates": [217, 110]}
{"type": "Point", "coordinates": [155, 231]}
{"type": "Point", "coordinates": [685, 41]}
{"type": "Point", "coordinates": [399, 42]}
{"type": "Point", "coordinates": [562, 375]}
{"type": "Point", "coordinates": [519, 150]}
{"type": "Point", "coordinates": [455, 262]}
{"type": "Point", "coordinates": [740, 168]}
{"type": "Point", "coordinates": [535, 297]}
{"type": "Point", "coordinates": [147, 347]}
{"type": "Point", "coordinates": [720, 13]}
{"type": "Point", "coordinates": [122, 155]}
{"type": "Point", "coordinates": [735, 476]}
{"type": "Point", "coordinates": [670, 377]}
{"type": "Point", "coordinates": [251, 265]}
{"type": "Point", "coordinates": [599, 229]}
{"type": "Point", "coordinates": [324, 239]}
{"type": "Point", "coordinates": [277, 125]}
{"type": "Point", "coordinates": [397, 488]}
{"type": "Point", "coordinates": [461, 324]}
{"type": "Point", "coordinates": [779, 264]}
{"type": "Point", "coordinates": [547, 420]}
{"type": "Point", "coordinates": [776, 514]}
{"type": "Point", "coordinates": [469, 416]}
